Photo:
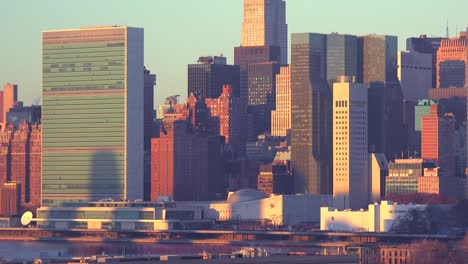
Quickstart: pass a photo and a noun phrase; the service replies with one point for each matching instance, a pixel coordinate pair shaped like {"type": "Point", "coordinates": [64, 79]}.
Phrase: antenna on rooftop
{"type": "Point", "coordinates": [447, 30]}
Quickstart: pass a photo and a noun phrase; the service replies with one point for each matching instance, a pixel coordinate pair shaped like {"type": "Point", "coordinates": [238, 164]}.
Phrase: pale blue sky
{"type": "Point", "coordinates": [177, 32]}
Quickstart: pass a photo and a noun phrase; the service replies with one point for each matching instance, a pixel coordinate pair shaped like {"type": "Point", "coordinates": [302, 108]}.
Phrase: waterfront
{"type": "Point", "coordinates": [28, 250]}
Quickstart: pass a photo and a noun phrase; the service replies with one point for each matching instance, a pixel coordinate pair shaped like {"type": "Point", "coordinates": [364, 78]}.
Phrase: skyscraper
{"type": "Point", "coordinates": [150, 82]}
{"type": "Point", "coordinates": [452, 62]}
{"type": "Point", "coordinates": [350, 154]}
{"type": "Point", "coordinates": [426, 45]}
{"type": "Point", "coordinates": [207, 77]}
{"type": "Point", "coordinates": [243, 56]}
{"type": "Point", "coordinates": [377, 58]}
{"type": "Point", "coordinates": [437, 140]}
{"type": "Point", "coordinates": [377, 67]}
{"type": "Point", "coordinates": [415, 74]}
{"type": "Point", "coordinates": [311, 155]}
{"type": "Point", "coordinates": [262, 96]}
{"type": "Point", "coordinates": [341, 56]}
{"type": "Point", "coordinates": [264, 24]}
{"type": "Point", "coordinates": [93, 114]}
{"type": "Point", "coordinates": [281, 117]}
{"type": "Point", "coordinates": [8, 99]}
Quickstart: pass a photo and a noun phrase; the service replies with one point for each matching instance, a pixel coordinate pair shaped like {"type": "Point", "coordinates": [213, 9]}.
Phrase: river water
{"type": "Point", "coordinates": [29, 250]}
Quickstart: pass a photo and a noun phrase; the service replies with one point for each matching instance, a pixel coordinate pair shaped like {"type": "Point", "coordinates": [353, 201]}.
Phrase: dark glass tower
{"type": "Point", "coordinates": [426, 45]}
{"type": "Point", "coordinates": [341, 56]}
{"type": "Point", "coordinates": [311, 128]}
{"type": "Point", "coordinates": [377, 67]}
{"type": "Point", "coordinates": [243, 56]}
{"type": "Point", "coordinates": [206, 79]}
{"type": "Point", "coordinates": [262, 95]}
{"type": "Point", "coordinates": [377, 58]}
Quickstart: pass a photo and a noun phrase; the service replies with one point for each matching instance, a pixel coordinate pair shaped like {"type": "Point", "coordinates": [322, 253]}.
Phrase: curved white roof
{"type": "Point", "coordinates": [244, 195]}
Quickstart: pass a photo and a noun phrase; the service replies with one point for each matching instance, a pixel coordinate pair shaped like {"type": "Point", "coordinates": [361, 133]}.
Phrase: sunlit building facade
{"type": "Point", "coordinates": [264, 24]}
{"type": "Point", "coordinates": [350, 155]}
{"type": "Point", "coordinates": [93, 114]}
{"type": "Point", "coordinates": [281, 116]}
{"type": "Point", "coordinates": [231, 113]}
{"type": "Point", "coordinates": [452, 62]}
{"type": "Point", "coordinates": [403, 176]}
{"type": "Point", "coordinates": [437, 140]}
{"type": "Point", "coordinates": [8, 99]}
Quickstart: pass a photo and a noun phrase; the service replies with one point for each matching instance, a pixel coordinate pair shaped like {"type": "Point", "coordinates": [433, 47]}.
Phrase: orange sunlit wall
{"type": "Point", "coordinates": [454, 49]}
{"type": "Point", "coordinates": [162, 163]}
{"type": "Point", "coordinates": [9, 99]}
{"type": "Point", "coordinates": [430, 135]}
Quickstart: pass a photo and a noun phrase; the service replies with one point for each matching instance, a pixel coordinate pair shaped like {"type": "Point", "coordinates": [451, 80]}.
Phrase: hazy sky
{"type": "Point", "coordinates": [177, 32]}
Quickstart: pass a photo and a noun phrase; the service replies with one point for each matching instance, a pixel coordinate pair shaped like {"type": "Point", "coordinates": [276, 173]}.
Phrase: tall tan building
{"type": "Point", "coordinates": [281, 117]}
{"type": "Point", "coordinates": [350, 156]}
{"type": "Point", "coordinates": [264, 24]}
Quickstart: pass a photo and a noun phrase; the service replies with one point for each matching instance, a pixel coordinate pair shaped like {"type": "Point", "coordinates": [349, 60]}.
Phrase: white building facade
{"type": "Point", "coordinates": [378, 217]}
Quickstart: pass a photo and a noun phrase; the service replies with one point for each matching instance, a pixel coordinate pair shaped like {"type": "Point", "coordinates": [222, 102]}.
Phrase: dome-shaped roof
{"type": "Point", "coordinates": [244, 195]}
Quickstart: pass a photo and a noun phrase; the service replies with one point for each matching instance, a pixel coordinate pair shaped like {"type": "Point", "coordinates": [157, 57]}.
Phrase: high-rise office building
{"type": "Point", "coordinates": [350, 149]}
{"type": "Point", "coordinates": [437, 140]}
{"type": "Point", "coordinates": [243, 56]}
{"type": "Point", "coordinates": [377, 58]}
{"type": "Point", "coordinates": [207, 77]}
{"type": "Point", "coordinates": [93, 114]}
{"type": "Point", "coordinates": [262, 96]}
{"type": "Point", "coordinates": [150, 82]}
{"type": "Point", "coordinates": [422, 108]}
{"type": "Point", "coordinates": [281, 117]}
{"type": "Point", "coordinates": [341, 56]}
{"type": "Point", "coordinates": [231, 113]}
{"type": "Point", "coordinates": [8, 99]}
{"type": "Point", "coordinates": [311, 128]}
{"type": "Point", "coordinates": [423, 44]}
{"type": "Point", "coordinates": [264, 24]}
{"type": "Point", "coordinates": [452, 62]}
{"type": "Point", "coordinates": [415, 74]}
{"type": "Point", "coordinates": [454, 100]}
{"type": "Point", "coordinates": [377, 67]}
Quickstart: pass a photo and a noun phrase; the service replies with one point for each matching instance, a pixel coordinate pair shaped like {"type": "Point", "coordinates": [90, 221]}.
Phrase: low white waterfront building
{"type": "Point", "coordinates": [378, 217]}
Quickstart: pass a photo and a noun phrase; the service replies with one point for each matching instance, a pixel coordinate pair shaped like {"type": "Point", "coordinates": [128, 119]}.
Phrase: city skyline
{"type": "Point", "coordinates": [169, 61]}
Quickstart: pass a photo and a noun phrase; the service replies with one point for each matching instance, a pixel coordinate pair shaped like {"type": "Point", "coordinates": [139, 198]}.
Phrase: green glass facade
{"type": "Point", "coordinates": [421, 109]}
{"type": "Point", "coordinates": [84, 115]}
